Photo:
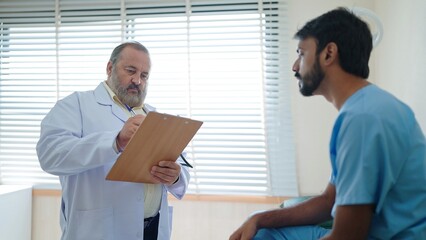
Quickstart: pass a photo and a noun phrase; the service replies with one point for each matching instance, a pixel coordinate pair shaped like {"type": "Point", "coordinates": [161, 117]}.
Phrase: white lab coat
{"type": "Point", "coordinates": [76, 144]}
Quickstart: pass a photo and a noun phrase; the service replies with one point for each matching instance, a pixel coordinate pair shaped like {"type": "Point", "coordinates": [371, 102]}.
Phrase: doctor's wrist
{"type": "Point", "coordinates": [119, 147]}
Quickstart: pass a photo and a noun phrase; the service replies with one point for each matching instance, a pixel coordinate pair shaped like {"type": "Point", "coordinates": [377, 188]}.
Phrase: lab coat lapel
{"type": "Point", "coordinates": [103, 98]}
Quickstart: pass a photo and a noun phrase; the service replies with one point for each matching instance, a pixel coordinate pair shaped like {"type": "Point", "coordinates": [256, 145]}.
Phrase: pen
{"type": "Point", "coordinates": [186, 164]}
{"type": "Point", "coordinates": [131, 110]}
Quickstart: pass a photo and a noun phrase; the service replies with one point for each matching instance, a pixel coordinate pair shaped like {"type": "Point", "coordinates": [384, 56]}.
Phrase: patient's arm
{"type": "Point", "coordinates": [351, 222]}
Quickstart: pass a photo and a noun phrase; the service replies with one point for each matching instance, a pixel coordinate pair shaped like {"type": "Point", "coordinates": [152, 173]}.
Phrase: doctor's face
{"type": "Point", "coordinates": [128, 78]}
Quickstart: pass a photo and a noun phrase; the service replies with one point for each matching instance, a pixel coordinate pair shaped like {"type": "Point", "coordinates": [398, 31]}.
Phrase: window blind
{"type": "Point", "coordinates": [220, 61]}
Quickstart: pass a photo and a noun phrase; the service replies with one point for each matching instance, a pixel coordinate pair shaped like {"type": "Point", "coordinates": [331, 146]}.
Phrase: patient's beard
{"type": "Point", "coordinates": [311, 81]}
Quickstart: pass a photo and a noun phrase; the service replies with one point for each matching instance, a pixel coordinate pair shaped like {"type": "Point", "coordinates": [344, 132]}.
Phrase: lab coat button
{"type": "Point", "coordinates": [139, 234]}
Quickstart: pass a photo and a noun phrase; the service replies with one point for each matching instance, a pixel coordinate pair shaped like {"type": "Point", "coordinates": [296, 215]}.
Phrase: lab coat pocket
{"type": "Point", "coordinates": [94, 224]}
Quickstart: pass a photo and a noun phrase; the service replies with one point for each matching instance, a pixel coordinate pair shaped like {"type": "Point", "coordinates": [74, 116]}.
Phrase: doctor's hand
{"type": "Point", "coordinates": [166, 172]}
{"type": "Point", "coordinates": [130, 126]}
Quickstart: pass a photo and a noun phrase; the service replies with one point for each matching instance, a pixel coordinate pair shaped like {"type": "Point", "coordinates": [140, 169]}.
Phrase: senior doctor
{"type": "Point", "coordinates": [81, 138]}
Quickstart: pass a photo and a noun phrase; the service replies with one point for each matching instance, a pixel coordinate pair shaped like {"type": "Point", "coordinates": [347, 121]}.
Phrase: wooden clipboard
{"type": "Point", "coordinates": [159, 137]}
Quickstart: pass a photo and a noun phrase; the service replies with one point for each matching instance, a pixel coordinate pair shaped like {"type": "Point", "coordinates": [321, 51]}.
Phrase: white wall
{"type": "Point", "coordinates": [401, 57]}
{"type": "Point", "coordinates": [45, 222]}
{"type": "Point", "coordinates": [15, 212]}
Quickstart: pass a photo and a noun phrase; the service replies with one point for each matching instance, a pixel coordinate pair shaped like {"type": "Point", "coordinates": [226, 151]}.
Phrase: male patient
{"type": "Point", "coordinates": [377, 188]}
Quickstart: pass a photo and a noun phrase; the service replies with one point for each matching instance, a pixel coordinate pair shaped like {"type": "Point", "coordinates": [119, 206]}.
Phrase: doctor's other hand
{"type": "Point", "coordinates": [166, 172]}
{"type": "Point", "coordinates": [246, 231]}
{"type": "Point", "coordinates": [130, 126]}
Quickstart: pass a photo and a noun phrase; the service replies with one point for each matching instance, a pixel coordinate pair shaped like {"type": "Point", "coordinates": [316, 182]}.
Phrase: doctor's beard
{"type": "Point", "coordinates": [123, 93]}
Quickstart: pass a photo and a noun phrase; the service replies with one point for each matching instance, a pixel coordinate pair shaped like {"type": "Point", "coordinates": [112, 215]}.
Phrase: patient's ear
{"type": "Point", "coordinates": [330, 53]}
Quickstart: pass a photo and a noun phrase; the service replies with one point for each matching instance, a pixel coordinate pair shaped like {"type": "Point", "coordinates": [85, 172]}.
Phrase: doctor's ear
{"type": "Point", "coordinates": [109, 68]}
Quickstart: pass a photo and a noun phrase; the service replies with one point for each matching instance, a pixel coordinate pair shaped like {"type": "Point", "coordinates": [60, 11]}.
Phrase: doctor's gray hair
{"type": "Point", "coordinates": [115, 55]}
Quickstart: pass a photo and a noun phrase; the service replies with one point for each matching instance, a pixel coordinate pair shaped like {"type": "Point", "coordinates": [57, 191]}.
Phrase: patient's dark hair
{"type": "Point", "coordinates": [351, 35]}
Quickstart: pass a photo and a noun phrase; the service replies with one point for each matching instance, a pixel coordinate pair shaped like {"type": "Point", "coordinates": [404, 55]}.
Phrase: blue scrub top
{"type": "Point", "coordinates": [377, 152]}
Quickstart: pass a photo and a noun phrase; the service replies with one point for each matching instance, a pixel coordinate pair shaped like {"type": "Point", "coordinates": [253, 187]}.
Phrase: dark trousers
{"type": "Point", "coordinates": [151, 228]}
